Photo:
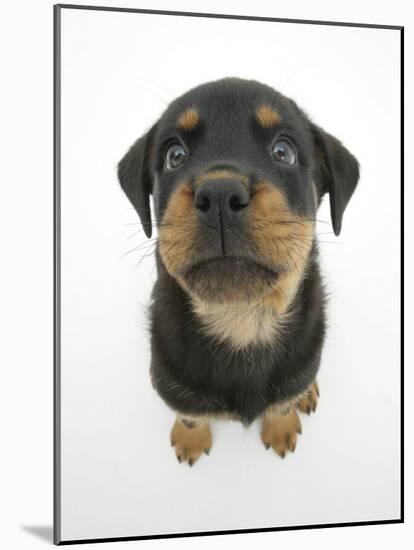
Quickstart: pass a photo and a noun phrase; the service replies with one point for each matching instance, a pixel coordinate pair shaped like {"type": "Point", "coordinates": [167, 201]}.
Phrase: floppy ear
{"type": "Point", "coordinates": [135, 178]}
{"type": "Point", "coordinates": [338, 173]}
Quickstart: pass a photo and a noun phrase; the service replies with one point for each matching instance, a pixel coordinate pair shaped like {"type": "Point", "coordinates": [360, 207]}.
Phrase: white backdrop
{"type": "Point", "coordinates": [26, 276]}
{"type": "Point", "coordinates": [119, 475]}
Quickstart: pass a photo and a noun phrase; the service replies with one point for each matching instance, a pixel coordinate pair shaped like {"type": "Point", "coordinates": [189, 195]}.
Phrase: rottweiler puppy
{"type": "Point", "coordinates": [237, 172]}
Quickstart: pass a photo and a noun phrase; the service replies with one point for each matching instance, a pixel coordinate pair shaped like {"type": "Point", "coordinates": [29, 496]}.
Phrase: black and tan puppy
{"type": "Point", "coordinates": [237, 172]}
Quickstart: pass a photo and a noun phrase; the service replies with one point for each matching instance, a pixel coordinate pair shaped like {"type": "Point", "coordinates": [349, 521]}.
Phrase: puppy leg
{"type": "Point", "coordinates": [191, 437]}
{"type": "Point", "coordinates": [280, 428]}
{"type": "Point", "coordinates": [309, 400]}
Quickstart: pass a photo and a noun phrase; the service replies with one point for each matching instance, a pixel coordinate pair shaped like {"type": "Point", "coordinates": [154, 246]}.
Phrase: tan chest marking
{"type": "Point", "coordinates": [240, 324]}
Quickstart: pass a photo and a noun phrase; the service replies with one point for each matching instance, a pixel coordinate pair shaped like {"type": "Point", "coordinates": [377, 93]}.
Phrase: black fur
{"type": "Point", "coordinates": [195, 373]}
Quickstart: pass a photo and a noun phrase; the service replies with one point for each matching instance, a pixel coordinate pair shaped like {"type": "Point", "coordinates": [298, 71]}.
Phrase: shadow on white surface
{"type": "Point", "coordinates": [44, 532]}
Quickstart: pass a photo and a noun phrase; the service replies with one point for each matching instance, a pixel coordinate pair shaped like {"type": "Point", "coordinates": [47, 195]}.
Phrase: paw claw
{"type": "Point", "coordinates": [190, 443]}
{"type": "Point", "coordinates": [309, 401]}
{"type": "Point", "coordinates": [280, 432]}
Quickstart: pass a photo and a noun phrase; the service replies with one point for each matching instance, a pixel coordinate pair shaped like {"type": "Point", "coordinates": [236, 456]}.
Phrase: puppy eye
{"type": "Point", "coordinates": [175, 156]}
{"type": "Point", "coordinates": [284, 151]}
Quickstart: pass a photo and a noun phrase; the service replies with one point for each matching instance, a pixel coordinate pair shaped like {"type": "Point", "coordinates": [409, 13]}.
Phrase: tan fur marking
{"type": "Point", "coordinates": [221, 174]}
{"type": "Point", "coordinates": [280, 429]}
{"type": "Point", "coordinates": [308, 402]}
{"type": "Point", "coordinates": [284, 292]}
{"type": "Point", "coordinates": [284, 238]}
{"type": "Point", "coordinates": [267, 116]}
{"type": "Point", "coordinates": [240, 324]}
{"type": "Point", "coordinates": [189, 119]}
{"type": "Point", "coordinates": [177, 231]}
{"type": "Point", "coordinates": [191, 443]}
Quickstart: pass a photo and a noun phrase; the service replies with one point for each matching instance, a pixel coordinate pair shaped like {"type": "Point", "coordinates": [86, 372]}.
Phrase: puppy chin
{"type": "Point", "coordinates": [227, 279]}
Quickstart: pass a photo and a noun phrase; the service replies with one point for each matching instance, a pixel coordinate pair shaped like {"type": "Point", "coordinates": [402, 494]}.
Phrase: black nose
{"type": "Point", "coordinates": [219, 201]}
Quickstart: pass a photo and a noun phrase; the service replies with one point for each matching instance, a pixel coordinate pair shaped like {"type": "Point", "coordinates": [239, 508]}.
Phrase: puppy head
{"type": "Point", "coordinates": [237, 172]}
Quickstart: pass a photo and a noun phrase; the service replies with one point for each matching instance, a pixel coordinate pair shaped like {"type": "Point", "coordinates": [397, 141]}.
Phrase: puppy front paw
{"type": "Point", "coordinates": [191, 438]}
{"type": "Point", "coordinates": [309, 401]}
{"type": "Point", "coordinates": [280, 431]}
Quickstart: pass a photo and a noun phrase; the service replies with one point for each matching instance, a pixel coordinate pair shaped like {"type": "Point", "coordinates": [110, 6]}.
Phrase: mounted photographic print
{"type": "Point", "coordinates": [228, 195]}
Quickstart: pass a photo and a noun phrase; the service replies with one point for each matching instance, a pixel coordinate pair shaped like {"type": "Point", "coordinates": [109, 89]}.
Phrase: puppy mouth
{"type": "Point", "coordinates": [230, 278]}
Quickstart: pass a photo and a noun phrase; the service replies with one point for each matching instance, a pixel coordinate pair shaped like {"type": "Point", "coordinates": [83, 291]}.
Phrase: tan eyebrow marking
{"type": "Point", "coordinates": [189, 119]}
{"type": "Point", "coordinates": [221, 174]}
{"type": "Point", "coordinates": [267, 116]}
